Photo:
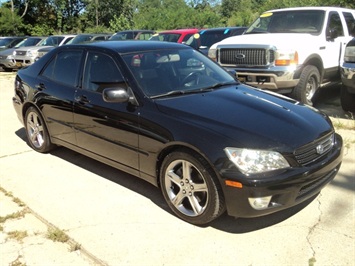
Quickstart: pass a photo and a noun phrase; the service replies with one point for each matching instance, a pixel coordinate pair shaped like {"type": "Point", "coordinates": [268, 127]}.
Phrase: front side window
{"type": "Point", "coordinates": [100, 72]}
{"type": "Point", "coordinates": [64, 67]}
{"type": "Point", "coordinates": [334, 24]}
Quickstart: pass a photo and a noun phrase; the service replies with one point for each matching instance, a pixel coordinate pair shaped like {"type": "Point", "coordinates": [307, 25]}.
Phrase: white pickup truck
{"type": "Point", "coordinates": [293, 51]}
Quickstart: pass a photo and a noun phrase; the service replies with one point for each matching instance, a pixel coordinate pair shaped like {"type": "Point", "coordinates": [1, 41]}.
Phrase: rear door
{"type": "Point", "coordinates": [57, 84]}
{"type": "Point", "coordinates": [336, 39]}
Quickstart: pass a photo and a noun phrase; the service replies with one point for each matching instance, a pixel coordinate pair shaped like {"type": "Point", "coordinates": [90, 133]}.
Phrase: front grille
{"type": "Point", "coordinates": [246, 56]}
{"type": "Point", "coordinates": [20, 52]}
{"type": "Point", "coordinates": [314, 150]}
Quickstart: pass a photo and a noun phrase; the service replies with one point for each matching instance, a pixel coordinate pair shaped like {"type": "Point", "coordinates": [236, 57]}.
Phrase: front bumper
{"type": "Point", "coordinates": [281, 79]}
{"type": "Point", "coordinates": [7, 63]}
{"type": "Point", "coordinates": [23, 61]}
{"type": "Point", "coordinates": [348, 76]}
{"type": "Point", "coordinates": [284, 188]}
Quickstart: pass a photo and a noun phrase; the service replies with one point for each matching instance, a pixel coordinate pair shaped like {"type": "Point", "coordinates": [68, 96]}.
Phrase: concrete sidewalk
{"type": "Point", "coordinates": [113, 218]}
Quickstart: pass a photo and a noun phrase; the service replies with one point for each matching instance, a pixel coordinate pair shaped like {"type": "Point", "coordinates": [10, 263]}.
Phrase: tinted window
{"type": "Point", "coordinates": [350, 22]}
{"type": "Point", "coordinates": [334, 24]}
{"type": "Point", "coordinates": [100, 72]}
{"type": "Point", "coordinates": [64, 67]}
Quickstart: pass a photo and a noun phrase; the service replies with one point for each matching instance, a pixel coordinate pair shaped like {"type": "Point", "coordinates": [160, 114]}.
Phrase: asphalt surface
{"type": "Point", "coordinates": [112, 218]}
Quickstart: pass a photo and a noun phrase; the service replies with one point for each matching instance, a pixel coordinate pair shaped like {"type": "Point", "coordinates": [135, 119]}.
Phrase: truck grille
{"type": "Point", "coordinates": [246, 56]}
{"type": "Point", "coordinates": [314, 150]}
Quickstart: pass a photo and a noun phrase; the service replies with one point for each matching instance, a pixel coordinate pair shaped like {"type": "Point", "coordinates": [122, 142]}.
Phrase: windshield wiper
{"type": "Point", "coordinates": [205, 89]}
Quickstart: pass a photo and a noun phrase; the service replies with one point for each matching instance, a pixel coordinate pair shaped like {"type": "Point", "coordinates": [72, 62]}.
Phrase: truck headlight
{"type": "Point", "coordinates": [286, 58]}
{"type": "Point", "coordinates": [212, 53]}
{"type": "Point", "coordinates": [250, 161]}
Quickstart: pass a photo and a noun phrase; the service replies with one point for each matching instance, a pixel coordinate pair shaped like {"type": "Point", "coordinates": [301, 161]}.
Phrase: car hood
{"type": "Point", "coordinates": [7, 51]}
{"type": "Point", "coordinates": [31, 48]}
{"type": "Point", "coordinates": [250, 117]}
{"type": "Point", "coordinates": [280, 40]}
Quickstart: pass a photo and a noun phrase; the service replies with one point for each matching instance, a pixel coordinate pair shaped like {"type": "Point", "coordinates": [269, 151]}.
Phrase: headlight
{"type": "Point", "coordinates": [256, 161]}
{"type": "Point", "coordinates": [286, 58]}
{"type": "Point", "coordinates": [10, 57]}
{"type": "Point", "coordinates": [349, 54]}
{"type": "Point", "coordinates": [212, 52]}
{"type": "Point", "coordinates": [32, 53]}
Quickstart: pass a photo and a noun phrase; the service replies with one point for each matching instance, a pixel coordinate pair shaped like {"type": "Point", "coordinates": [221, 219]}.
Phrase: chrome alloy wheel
{"type": "Point", "coordinates": [35, 131]}
{"type": "Point", "coordinates": [186, 188]}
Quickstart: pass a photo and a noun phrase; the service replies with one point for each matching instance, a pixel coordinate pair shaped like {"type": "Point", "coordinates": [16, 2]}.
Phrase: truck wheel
{"type": "Point", "coordinates": [347, 99]}
{"type": "Point", "coordinates": [307, 85]}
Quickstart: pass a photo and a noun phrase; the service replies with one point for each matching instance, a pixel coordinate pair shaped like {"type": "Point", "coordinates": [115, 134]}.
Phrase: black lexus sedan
{"type": "Point", "coordinates": [168, 114]}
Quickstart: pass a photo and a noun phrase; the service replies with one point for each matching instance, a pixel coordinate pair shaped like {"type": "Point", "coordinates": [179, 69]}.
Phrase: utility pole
{"type": "Point", "coordinates": [97, 12]}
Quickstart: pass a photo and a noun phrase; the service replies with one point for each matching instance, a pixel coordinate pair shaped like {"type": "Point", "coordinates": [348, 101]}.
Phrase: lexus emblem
{"type": "Point", "coordinates": [240, 56]}
{"type": "Point", "coordinates": [320, 149]}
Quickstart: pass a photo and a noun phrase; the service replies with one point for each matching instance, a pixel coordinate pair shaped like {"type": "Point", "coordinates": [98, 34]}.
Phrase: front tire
{"type": "Point", "coordinates": [307, 85]}
{"type": "Point", "coordinates": [36, 131]}
{"type": "Point", "coordinates": [347, 99]}
{"type": "Point", "coordinates": [190, 188]}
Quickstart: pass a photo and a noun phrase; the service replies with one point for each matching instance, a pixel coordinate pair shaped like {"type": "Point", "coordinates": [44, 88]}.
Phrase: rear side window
{"type": "Point", "coordinates": [350, 22]}
{"type": "Point", "coordinates": [64, 67]}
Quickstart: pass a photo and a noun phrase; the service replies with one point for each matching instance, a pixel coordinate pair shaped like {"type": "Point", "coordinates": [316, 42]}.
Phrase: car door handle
{"type": "Point", "coordinates": [40, 87]}
{"type": "Point", "coordinates": [82, 99]}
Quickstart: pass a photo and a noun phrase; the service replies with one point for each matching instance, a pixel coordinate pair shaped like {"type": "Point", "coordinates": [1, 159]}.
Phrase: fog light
{"type": "Point", "coordinates": [260, 203]}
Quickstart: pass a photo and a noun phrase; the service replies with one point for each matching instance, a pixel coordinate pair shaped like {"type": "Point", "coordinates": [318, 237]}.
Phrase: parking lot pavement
{"type": "Point", "coordinates": [121, 220]}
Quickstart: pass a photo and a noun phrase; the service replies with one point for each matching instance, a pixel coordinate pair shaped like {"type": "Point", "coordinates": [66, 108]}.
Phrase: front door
{"type": "Point", "coordinates": [109, 130]}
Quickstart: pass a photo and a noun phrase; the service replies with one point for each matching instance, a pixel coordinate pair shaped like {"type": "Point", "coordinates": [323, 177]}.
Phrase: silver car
{"type": "Point", "coordinates": [27, 55]}
{"type": "Point", "coordinates": [7, 59]}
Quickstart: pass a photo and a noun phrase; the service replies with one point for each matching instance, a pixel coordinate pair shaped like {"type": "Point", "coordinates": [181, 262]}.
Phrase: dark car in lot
{"type": "Point", "coordinates": [203, 40]}
{"type": "Point", "coordinates": [347, 95]}
{"type": "Point", "coordinates": [168, 114]}
{"type": "Point", "coordinates": [132, 35]}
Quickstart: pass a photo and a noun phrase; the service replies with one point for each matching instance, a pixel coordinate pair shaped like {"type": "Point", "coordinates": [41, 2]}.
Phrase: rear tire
{"type": "Point", "coordinates": [347, 99]}
{"type": "Point", "coordinates": [307, 85]}
{"type": "Point", "coordinates": [36, 131]}
{"type": "Point", "coordinates": [191, 188]}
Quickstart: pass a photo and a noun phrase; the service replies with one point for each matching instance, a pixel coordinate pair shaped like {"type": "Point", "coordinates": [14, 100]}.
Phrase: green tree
{"type": "Point", "coordinates": [10, 22]}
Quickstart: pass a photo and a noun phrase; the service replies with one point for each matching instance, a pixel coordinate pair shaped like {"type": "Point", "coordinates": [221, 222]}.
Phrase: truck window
{"type": "Point", "coordinates": [350, 23]}
{"type": "Point", "coordinates": [334, 25]}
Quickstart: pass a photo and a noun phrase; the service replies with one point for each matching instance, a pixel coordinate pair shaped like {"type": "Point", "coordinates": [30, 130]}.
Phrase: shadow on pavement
{"type": "Point", "coordinates": [133, 183]}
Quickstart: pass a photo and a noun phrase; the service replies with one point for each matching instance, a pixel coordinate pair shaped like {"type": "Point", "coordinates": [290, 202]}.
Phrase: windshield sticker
{"type": "Point", "coordinates": [226, 31]}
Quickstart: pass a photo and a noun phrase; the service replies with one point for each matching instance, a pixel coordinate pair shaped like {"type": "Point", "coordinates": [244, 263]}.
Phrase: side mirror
{"type": "Point", "coordinates": [115, 95]}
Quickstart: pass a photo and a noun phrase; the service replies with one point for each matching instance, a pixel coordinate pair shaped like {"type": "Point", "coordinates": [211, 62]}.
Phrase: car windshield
{"type": "Point", "coordinates": [174, 72]}
{"type": "Point", "coordinates": [122, 36]}
{"type": "Point", "coordinates": [29, 42]}
{"type": "Point", "coordinates": [53, 41]}
{"type": "Point", "coordinates": [80, 39]}
{"type": "Point", "coordinates": [167, 37]}
{"type": "Point", "coordinates": [4, 42]}
{"type": "Point", "coordinates": [293, 21]}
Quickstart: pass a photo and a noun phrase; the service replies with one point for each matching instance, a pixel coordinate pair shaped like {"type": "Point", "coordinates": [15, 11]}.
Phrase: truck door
{"type": "Point", "coordinates": [336, 39]}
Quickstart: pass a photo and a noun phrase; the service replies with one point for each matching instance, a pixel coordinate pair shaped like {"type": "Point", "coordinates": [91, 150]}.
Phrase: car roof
{"type": "Point", "coordinates": [123, 31]}
{"type": "Point", "coordinates": [131, 46]}
{"type": "Point", "coordinates": [324, 8]}
{"type": "Point", "coordinates": [179, 31]}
